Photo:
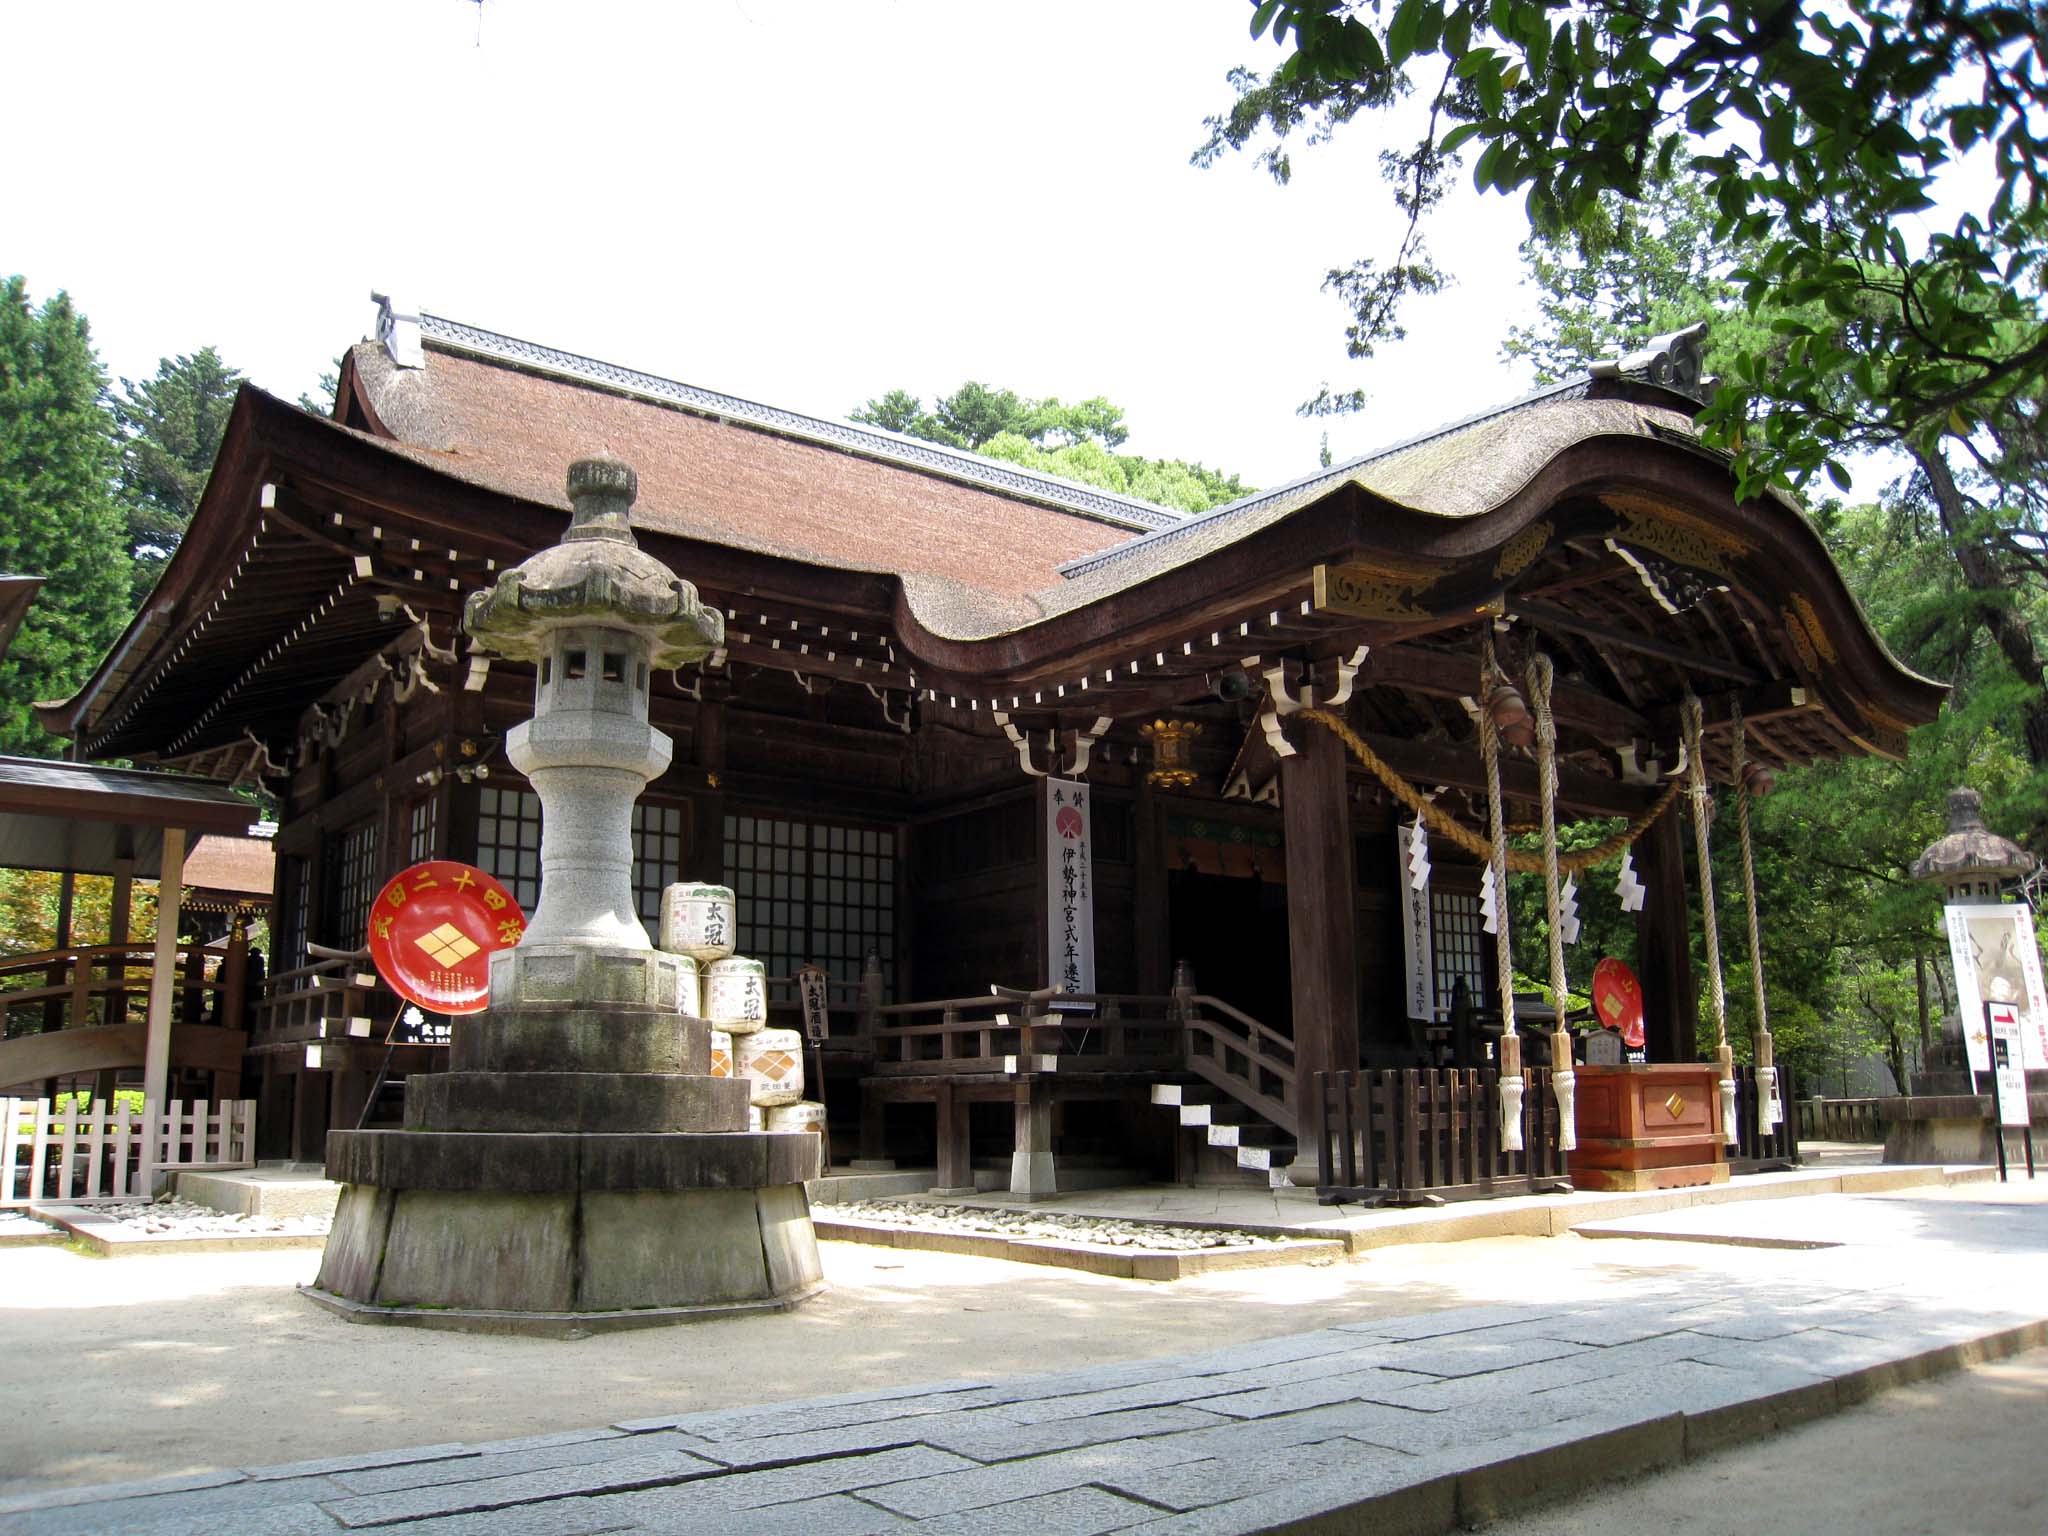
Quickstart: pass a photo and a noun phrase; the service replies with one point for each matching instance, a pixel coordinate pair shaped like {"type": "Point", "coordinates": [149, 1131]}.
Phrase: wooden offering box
{"type": "Point", "coordinates": [1648, 1127]}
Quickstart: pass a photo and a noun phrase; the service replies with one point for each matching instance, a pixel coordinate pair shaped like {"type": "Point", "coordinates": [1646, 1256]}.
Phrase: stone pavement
{"type": "Point", "coordinates": [1414, 1423]}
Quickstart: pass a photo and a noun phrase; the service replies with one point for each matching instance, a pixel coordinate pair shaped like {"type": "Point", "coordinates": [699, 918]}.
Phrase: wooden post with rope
{"type": "Point", "coordinates": [1702, 808]}
{"type": "Point", "coordinates": [1563, 1081]}
{"type": "Point", "coordinates": [1752, 780]}
{"type": "Point", "coordinates": [1512, 1083]}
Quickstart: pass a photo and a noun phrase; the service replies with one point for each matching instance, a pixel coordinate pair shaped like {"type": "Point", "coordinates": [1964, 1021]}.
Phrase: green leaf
{"type": "Point", "coordinates": [1839, 475]}
{"type": "Point", "coordinates": [1401, 32]}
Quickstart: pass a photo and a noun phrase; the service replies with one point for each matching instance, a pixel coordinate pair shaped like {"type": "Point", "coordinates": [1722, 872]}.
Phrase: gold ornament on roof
{"type": "Point", "coordinates": [1172, 745]}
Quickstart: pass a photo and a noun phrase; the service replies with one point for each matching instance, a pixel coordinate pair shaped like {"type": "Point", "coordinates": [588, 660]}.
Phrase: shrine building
{"type": "Point", "coordinates": [929, 655]}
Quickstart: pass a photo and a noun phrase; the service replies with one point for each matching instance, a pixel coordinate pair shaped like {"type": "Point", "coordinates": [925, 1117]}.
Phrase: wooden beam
{"type": "Point", "coordinates": [1684, 657]}
{"type": "Point", "coordinates": [1429, 762]}
{"type": "Point", "coordinates": [1447, 675]}
{"type": "Point", "coordinates": [1768, 701]}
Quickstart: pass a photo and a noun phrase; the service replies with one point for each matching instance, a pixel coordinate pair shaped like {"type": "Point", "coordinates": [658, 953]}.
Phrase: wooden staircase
{"type": "Point", "coordinates": [1244, 1097]}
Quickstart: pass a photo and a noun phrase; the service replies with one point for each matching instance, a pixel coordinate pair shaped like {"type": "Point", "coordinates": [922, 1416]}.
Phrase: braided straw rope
{"type": "Point", "coordinates": [1563, 1081]}
{"type": "Point", "coordinates": [1464, 837]}
{"type": "Point", "coordinates": [1761, 1045]}
{"type": "Point", "coordinates": [1702, 798]}
{"type": "Point", "coordinates": [1510, 1043]}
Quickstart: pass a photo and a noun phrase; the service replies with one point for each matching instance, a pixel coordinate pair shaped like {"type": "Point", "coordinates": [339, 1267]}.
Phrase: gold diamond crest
{"type": "Point", "coordinates": [1675, 1105]}
{"type": "Point", "coordinates": [447, 945]}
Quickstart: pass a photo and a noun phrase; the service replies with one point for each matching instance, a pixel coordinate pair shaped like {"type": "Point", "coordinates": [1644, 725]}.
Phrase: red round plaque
{"type": "Point", "coordinates": [433, 930]}
{"type": "Point", "coordinates": [1618, 1000]}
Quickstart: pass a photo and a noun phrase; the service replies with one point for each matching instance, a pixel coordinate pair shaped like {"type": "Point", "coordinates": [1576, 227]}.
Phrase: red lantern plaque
{"type": "Point", "coordinates": [1618, 1000]}
{"type": "Point", "coordinates": [433, 930]}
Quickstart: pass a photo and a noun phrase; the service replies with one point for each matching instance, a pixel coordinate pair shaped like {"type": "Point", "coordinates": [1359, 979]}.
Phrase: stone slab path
{"type": "Point", "coordinates": [1420, 1423]}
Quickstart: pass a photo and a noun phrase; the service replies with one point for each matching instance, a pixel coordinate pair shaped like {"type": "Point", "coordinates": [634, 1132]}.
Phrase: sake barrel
{"type": "Point", "coordinates": [699, 921]}
{"type": "Point", "coordinates": [805, 1115]}
{"type": "Point", "coordinates": [736, 994]}
{"type": "Point", "coordinates": [721, 1053]}
{"type": "Point", "coordinates": [772, 1062]}
{"type": "Point", "coordinates": [757, 1118]}
{"type": "Point", "coordinates": [690, 988]}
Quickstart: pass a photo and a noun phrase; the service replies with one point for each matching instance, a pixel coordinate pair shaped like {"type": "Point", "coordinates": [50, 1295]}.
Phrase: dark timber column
{"type": "Point", "coordinates": [1671, 1004]}
{"type": "Point", "coordinates": [705, 859]}
{"type": "Point", "coordinates": [1321, 930]}
{"type": "Point", "coordinates": [1148, 883]}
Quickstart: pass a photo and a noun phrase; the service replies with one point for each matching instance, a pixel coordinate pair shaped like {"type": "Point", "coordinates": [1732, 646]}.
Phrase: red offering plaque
{"type": "Point", "coordinates": [433, 930]}
{"type": "Point", "coordinates": [1618, 1001]}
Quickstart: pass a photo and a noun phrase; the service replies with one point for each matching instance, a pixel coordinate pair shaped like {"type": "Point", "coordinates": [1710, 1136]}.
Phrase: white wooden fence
{"type": "Point", "coordinates": [52, 1156]}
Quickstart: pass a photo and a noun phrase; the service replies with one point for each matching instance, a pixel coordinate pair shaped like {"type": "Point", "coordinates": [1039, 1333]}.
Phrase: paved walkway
{"type": "Point", "coordinates": [1423, 1421]}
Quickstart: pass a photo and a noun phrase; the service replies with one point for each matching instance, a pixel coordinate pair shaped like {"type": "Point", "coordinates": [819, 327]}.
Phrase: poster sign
{"type": "Point", "coordinates": [1997, 961]}
{"type": "Point", "coordinates": [1070, 884]}
{"type": "Point", "coordinates": [811, 989]}
{"type": "Point", "coordinates": [2008, 1077]}
{"type": "Point", "coordinates": [433, 930]}
{"type": "Point", "coordinates": [1415, 933]}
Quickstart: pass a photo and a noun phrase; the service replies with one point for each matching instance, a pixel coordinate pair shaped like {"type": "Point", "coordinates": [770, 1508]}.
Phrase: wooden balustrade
{"type": "Point", "coordinates": [1413, 1136]}
{"type": "Point", "coordinates": [1757, 1150]}
{"type": "Point", "coordinates": [104, 1151]}
{"type": "Point", "coordinates": [99, 984]}
{"type": "Point", "coordinates": [338, 992]}
{"type": "Point", "coordinates": [1839, 1119]}
{"type": "Point", "coordinates": [1008, 1029]}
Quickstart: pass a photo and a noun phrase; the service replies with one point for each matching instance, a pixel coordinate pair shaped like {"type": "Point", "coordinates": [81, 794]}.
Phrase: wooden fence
{"type": "Point", "coordinates": [48, 1155]}
{"type": "Point", "coordinates": [1840, 1120]}
{"type": "Point", "coordinates": [1760, 1151]}
{"type": "Point", "coordinates": [1424, 1136]}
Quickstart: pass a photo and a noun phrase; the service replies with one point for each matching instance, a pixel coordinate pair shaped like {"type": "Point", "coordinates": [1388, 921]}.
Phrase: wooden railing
{"type": "Point", "coordinates": [99, 984]}
{"type": "Point", "coordinates": [104, 1152]}
{"type": "Point", "coordinates": [1233, 1051]}
{"type": "Point", "coordinates": [1413, 1136]}
{"type": "Point", "coordinates": [338, 992]}
{"type": "Point", "coordinates": [1839, 1120]}
{"type": "Point", "coordinates": [1015, 1031]}
{"type": "Point", "coordinates": [1758, 1151]}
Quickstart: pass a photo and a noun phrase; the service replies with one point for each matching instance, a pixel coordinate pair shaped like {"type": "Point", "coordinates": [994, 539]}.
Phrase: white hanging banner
{"type": "Point", "coordinates": [1415, 936]}
{"type": "Point", "coordinates": [1997, 961]}
{"type": "Point", "coordinates": [1070, 884]}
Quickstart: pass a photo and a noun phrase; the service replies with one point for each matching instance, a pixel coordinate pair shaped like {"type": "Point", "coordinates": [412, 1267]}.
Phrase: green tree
{"type": "Point", "coordinates": [171, 428]}
{"type": "Point", "coordinates": [1077, 442]}
{"type": "Point", "coordinates": [58, 517]}
{"type": "Point", "coordinates": [1823, 129]}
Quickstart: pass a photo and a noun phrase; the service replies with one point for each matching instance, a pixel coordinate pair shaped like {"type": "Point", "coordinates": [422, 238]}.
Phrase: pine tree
{"type": "Point", "coordinates": [172, 426]}
{"type": "Point", "coordinates": [58, 518]}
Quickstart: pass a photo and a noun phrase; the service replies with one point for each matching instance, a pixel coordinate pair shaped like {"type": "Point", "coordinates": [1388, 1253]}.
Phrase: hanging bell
{"type": "Point", "coordinates": [1510, 715]}
{"type": "Point", "coordinates": [1758, 779]}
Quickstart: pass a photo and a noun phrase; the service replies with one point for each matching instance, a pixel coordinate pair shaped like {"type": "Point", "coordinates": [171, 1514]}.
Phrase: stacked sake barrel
{"type": "Point", "coordinates": [700, 922]}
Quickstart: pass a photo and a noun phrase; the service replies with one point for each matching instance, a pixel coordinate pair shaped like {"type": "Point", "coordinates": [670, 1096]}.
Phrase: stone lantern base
{"type": "Point", "coordinates": [576, 1169]}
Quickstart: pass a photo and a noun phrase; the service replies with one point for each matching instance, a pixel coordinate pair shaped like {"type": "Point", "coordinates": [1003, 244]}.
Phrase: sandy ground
{"type": "Point", "coordinates": [1958, 1456]}
{"type": "Point", "coordinates": [142, 1366]}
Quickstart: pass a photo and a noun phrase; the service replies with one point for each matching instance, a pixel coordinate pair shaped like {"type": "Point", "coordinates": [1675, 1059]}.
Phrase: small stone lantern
{"type": "Point", "coordinates": [1972, 864]}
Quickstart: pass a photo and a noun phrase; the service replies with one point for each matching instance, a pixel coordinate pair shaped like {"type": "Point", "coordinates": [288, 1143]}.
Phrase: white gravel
{"type": "Point", "coordinates": [182, 1218]}
{"type": "Point", "coordinates": [929, 1216]}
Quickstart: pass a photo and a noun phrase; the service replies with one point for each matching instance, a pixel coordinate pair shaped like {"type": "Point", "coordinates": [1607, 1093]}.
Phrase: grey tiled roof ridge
{"type": "Point", "coordinates": [969, 468]}
{"type": "Point", "coordinates": [1335, 475]}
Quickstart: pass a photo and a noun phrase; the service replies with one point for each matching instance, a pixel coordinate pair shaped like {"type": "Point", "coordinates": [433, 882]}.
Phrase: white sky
{"type": "Point", "coordinates": [805, 202]}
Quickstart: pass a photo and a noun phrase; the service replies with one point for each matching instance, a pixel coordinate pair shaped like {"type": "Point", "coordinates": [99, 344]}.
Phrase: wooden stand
{"type": "Point", "coordinates": [1648, 1127]}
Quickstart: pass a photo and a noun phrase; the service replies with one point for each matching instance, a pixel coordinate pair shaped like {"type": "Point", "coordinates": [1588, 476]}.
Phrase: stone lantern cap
{"type": "Point", "coordinates": [598, 575]}
{"type": "Point", "coordinates": [1971, 850]}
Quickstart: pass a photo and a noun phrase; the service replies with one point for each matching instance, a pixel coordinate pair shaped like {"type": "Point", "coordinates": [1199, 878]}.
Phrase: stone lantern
{"type": "Point", "coordinates": [1971, 863]}
{"type": "Point", "coordinates": [578, 1167]}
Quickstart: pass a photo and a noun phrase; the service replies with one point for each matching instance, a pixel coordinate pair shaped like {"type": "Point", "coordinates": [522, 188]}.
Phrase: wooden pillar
{"type": "Point", "coordinates": [956, 1163]}
{"type": "Point", "coordinates": [349, 1091]}
{"type": "Point", "coordinates": [309, 1117]}
{"type": "Point", "coordinates": [705, 860]}
{"type": "Point", "coordinates": [1148, 882]}
{"type": "Point", "coordinates": [1031, 1168]}
{"type": "Point", "coordinates": [120, 912]}
{"type": "Point", "coordinates": [874, 1132]}
{"type": "Point", "coordinates": [1671, 1005]}
{"type": "Point", "coordinates": [1322, 935]}
{"type": "Point", "coordinates": [156, 1052]}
